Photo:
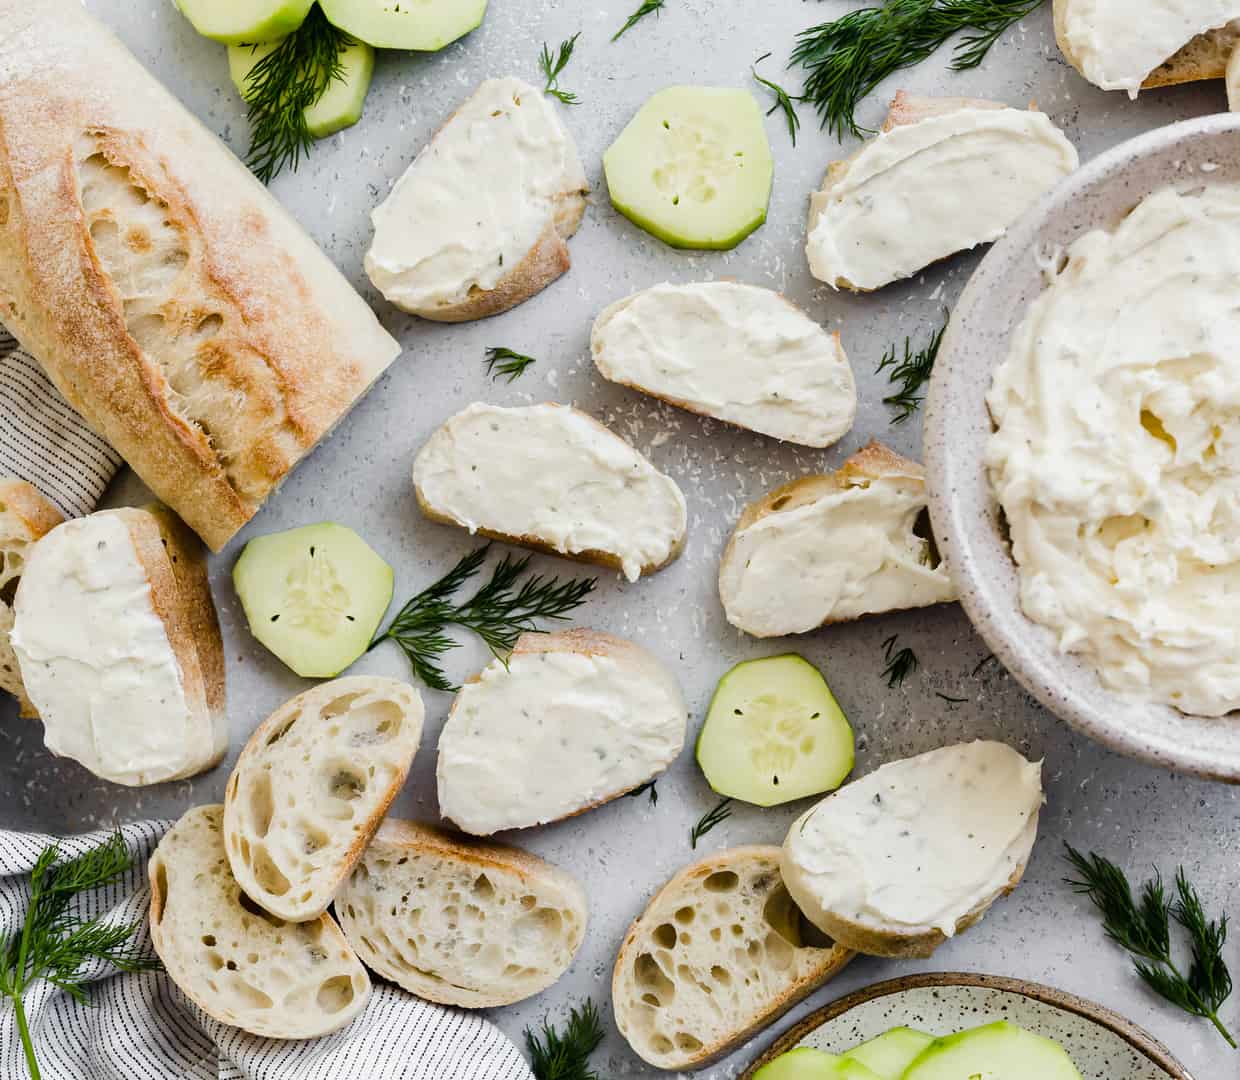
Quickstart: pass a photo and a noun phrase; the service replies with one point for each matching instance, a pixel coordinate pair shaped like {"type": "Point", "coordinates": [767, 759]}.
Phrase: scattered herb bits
{"type": "Point", "coordinates": [504, 362]}
{"type": "Point", "coordinates": [909, 373]}
{"type": "Point", "coordinates": [901, 663]}
{"type": "Point", "coordinates": [709, 821]}
{"type": "Point", "coordinates": [783, 101]}
{"type": "Point", "coordinates": [551, 64]}
{"type": "Point", "coordinates": [648, 7]}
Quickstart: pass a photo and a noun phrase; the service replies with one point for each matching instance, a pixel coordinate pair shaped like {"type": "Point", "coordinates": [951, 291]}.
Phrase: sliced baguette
{"type": "Point", "coordinates": [235, 962]}
{"type": "Point", "coordinates": [460, 922]}
{"type": "Point", "coordinates": [826, 549]}
{"type": "Point", "coordinates": [553, 479]}
{"type": "Point", "coordinates": [916, 852]}
{"type": "Point", "coordinates": [570, 721]}
{"type": "Point", "coordinates": [136, 691]}
{"type": "Point", "coordinates": [720, 953]}
{"type": "Point", "coordinates": [311, 787]}
{"type": "Point", "coordinates": [25, 516]}
{"type": "Point", "coordinates": [479, 222]}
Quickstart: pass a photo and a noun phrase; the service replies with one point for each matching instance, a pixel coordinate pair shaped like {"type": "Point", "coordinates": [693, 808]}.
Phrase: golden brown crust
{"type": "Point", "coordinates": [39, 514]}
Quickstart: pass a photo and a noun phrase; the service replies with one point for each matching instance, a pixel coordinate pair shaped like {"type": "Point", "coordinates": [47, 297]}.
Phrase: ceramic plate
{"type": "Point", "coordinates": [1103, 1045]}
{"type": "Point", "coordinates": [962, 507]}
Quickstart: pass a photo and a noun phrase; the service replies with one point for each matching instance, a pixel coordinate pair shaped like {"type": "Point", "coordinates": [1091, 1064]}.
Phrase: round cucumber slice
{"type": "Point", "coordinates": [999, 1051]}
{"type": "Point", "coordinates": [693, 167]}
{"type": "Point", "coordinates": [892, 1052]}
{"type": "Point", "coordinates": [314, 596]}
{"type": "Point", "coordinates": [423, 25]}
{"type": "Point", "coordinates": [774, 733]}
{"type": "Point", "coordinates": [803, 1063]}
{"type": "Point", "coordinates": [237, 22]}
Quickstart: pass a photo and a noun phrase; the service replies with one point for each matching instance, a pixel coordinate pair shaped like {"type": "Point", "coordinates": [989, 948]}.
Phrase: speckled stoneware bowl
{"type": "Point", "coordinates": [1103, 1045]}
{"type": "Point", "coordinates": [963, 509]}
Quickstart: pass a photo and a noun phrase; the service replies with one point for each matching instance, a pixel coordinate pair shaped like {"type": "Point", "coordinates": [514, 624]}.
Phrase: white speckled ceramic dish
{"type": "Point", "coordinates": [962, 505]}
{"type": "Point", "coordinates": [1103, 1045]}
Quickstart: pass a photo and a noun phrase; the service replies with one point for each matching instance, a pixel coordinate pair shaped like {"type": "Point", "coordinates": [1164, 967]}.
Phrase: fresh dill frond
{"type": "Point", "coordinates": [910, 373]}
{"type": "Point", "coordinates": [566, 1057]}
{"type": "Point", "coordinates": [283, 85]}
{"type": "Point", "coordinates": [501, 361]}
{"type": "Point", "coordinates": [649, 787]}
{"type": "Point", "coordinates": [708, 821]}
{"type": "Point", "coordinates": [782, 100]}
{"type": "Point", "coordinates": [551, 64]}
{"type": "Point", "coordinates": [847, 58]}
{"type": "Point", "coordinates": [1142, 926]}
{"type": "Point", "coordinates": [901, 663]}
{"type": "Point", "coordinates": [645, 9]}
{"type": "Point", "coordinates": [499, 612]}
{"type": "Point", "coordinates": [984, 662]}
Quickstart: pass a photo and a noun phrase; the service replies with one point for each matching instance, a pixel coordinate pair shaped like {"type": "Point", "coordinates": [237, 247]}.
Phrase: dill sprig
{"type": "Point", "coordinates": [708, 821]}
{"type": "Point", "coordinates": [847, 58]}
{"type": "Point", "coordinates": [551, 64]}
{"type": "Point", "coordinates": [501, 361]}
{"type": "Point", "coordinates": [283, 85]}
{"type": "Point", "coordinates": [782, 100]}
{"type": "Point", "coordinates": [645, 9]}
{"type": "Point", "coordinates": [566, 1057]}
{"type": "Point", "coordinates": [54, 942]}
{"type": "Point", "coordinates": [1142, 926]}
{"type": "Point", "coordinates": [900, 663]}
{"type": "Point", "coordinates": [499, 612]}
{"type": "Point", "coordinates": [910, 373]}
{"type": "Point", "coordinates": [650, 787]}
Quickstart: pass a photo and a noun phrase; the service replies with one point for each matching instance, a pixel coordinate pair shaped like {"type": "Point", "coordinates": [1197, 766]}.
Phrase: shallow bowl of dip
{"type": "Point", "coordinates": [968, 523]}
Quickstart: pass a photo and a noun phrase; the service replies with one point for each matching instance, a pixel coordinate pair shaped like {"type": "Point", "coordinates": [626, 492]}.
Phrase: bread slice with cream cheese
{"type": "Point", "coordinates": [238, 964]}
{"type": "Point", "coordinates": [116, 635]}
{"type": "Point", "coordinates": [345, 748]}
{"type": "Point", "coordinates": [720, 953]}
{"type": "Point", "coordinates": [479, 222]}
{"type": "Point", "coordinates": [826, 549]}
{"type": "Point", "coordinates": [916, 852]}
{"type": "Point", "coordinates": [568, 722]}
{"type": "Point", "coordinates": [943, 176]}
{"type": "Point", "coordinates": [554, 479]}
{"type": "Point", "coordinates": [461, 922]}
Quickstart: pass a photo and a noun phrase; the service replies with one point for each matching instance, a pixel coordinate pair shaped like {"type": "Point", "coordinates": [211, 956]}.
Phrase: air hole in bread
{"type": "Point", "coordinates": [262, 805]}
{"type": "Point", "coordinates": [346, 784]}
{"type": "Point", "coordinates": [208, 940]}
{"type": "Point", "coordinates": [721, 975]}
{"type": "Point", "coordinates": [665, 936]}
{"type": "Point", "coordinates": [686, 915]}
{"type": "Point", "coordinates": [313, 839]}
{"type": "Point", "coordinates": [923, 531]}
{"type": "Point", "coordinates": [662, 1044]}
{"type": "Point", "coordinates": [652, 980]}
{"type": "Point", "coordinates": [4, 210]}
{"type": "Point", "coordinates": [208, 326]}
{"type": "Point", "coordinates": [722, 881]}
{"type": "Point", "coordinates": [781, 502]}
{"type": "Point", "coordinates": [335, 994]}
{"type": "Point", "coordinates": [269, 876]}
{"type": "Point", "coordinates": [687, 1043]}
{"type": "Point", "coordinates": [483, 887]}
{"type": "Point", "coordinates": [248, 998]}
{"type": "Point", "coordinates": [375, 722]}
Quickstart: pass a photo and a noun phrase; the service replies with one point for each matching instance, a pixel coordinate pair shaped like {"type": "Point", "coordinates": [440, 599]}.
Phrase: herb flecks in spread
{"type": "Point", "coordinates": [909, 373]}
{"type": "Point", "coordinates": [501, 362]}
{"type": "Point", "coordinates": [643, 10]}
{"type": "Point", "coordinates": [556, 1056]}
{"type": "Point", "coordinates": [552, 64]}
{"type": "Point", "coordinates": [783, 100]}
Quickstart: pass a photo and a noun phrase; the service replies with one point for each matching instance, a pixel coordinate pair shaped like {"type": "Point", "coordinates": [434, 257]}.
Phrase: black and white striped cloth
{"type": "Point", "coordinates": [140, 1027]}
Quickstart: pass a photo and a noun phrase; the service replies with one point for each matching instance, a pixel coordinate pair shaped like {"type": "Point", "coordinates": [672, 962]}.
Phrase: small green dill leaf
{"type": "Point", "coordinates": [552, 64]}
{"type": "Point", "coordinates": [501, 361]}
{"type": "Point", "coordinates": [650, 787]}
{"type": "Point", "coordinates": [909, 373]}
{"type": "Point", "coordinates": [709, 821]}
{"type": "Point", "coordinates": [647, 7]}
{"type": "Point", "coordinates": [782, 101]}
{"type": "Point", "coordinates": [901, 663]}
{"type": "Point", "coordinates": [566, 1056]}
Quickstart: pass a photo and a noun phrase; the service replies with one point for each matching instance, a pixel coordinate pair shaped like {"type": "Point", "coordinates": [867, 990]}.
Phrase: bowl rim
{"type": "Point", "coordinates": [1135, 1036]}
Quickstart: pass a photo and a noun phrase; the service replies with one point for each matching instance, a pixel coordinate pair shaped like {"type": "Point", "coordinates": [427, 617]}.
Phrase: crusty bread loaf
{"type": "Point", "coordinates": [720, 953]}
{"type": "Point", "coordinates": [234, 961]}
{"type": "Point", "coordinates": [458, 921]}
{"type": "Point", "coordinates": [311, 787]}
{"type": "Point", "coordinates": [25, 516]}
{"type": "Point", "coordinates": [169, 297]}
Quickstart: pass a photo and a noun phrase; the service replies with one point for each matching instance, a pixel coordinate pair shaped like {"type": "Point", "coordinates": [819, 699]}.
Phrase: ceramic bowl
{"type": "Point", "coordinates": [963, 509]}
{"type": "Point", "coordinates": [1100, 1043]}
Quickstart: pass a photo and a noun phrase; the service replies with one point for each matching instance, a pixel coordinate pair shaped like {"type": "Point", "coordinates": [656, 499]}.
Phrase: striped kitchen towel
{"type": "Point", "coordinates": [140, 1027]}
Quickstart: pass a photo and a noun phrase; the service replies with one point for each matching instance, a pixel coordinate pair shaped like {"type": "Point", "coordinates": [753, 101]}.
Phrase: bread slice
{"type": "Point", "coordinates": [116, 635]}
{"type": "Point", "coordinates": [479, 222]}
{"type": "Point", "coordinates": [460, 922]}
{"type": "Point", "coordinates": [738, 353]}
{"type": "Point", "coordinates": [311, 787]}
{"type": "Point", "coordinates": [720, 953]}
{"type": "Point", "coordinates": [553, 479]}
{"type": "Point", "coordinates": [826, 549]}
{"type": "Point", "coordinates": [238, 964]}
{"type": "Point", "coordinates": [916, 852]}
{"type": "Point", "coordinates": [25, 516]}
{"type": "Point", "coordinates": [945, 175]}
{"type": "Point", "coordinates": [568, 722]}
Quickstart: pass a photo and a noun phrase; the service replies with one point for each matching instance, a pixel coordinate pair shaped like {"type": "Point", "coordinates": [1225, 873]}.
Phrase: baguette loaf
{"type": "Point", "coordinates": [460, 922]}
{"type": "Point", "coordinates": [25, 516]}
{"type": "Point", "coordinates": [169, 297]}
{"type": "Point", "coordinates": [344, 748]}
{"type": "Point", "coordinates": [233, 960]}
{"type": "Point", "coordinates": [720, 953]}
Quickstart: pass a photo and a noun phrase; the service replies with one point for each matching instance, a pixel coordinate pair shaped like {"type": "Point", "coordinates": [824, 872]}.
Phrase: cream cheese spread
{"type": "Point", "coordinates": [921, 192]}
{"type": "Point", "coordinates": [919, 843]}
{"type": "Point", "coordinates": [1116, 455]}
{"type": "Point", "coordinates": [475, 201]}
{"type": "Point", "coordinates": [738, 353]}
{"type": "Point", "coordinates": [97, 662]}
{"type": "Point", "coordinates": [553, 475]}
{"type": "Point", "coordinates": [552, 734]}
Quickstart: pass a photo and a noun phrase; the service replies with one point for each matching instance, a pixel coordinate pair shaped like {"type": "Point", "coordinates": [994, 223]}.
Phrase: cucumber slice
{"type": "Point", "coordinates": [693, 167]}
{"type": "Point", "coordinates": [423, 25]}
{"type": "Point", "coordinates": [314, 596]}
{"type": "Point", "coordinates": [774, 733]}
{"type": "Point", "coordinates": [803, 1063]}
{"type": "Point", "coordinates": [892, 1052]}
{"type": "Point", "coordinates": [999, 1051]}
{"type": "Point", "coordinates": [341, 104]}
{"type": "Point", "coordinates": [238, 22]}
